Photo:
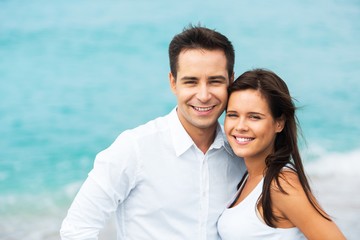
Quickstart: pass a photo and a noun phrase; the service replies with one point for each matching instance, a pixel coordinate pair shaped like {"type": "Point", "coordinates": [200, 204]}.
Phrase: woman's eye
{"type": "Point", "coordinates": [255, 117]}
{"type": "Point", "coordinates": [231, 115]}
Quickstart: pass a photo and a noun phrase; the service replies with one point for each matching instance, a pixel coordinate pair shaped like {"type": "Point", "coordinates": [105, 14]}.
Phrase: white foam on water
{"type": "Point", "coordinates": [335, 182]}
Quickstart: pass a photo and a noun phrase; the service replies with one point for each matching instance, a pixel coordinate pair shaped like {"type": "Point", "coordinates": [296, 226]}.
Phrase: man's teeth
{"type": "Point", "coordinates": [244, 139]}
{"type": "Point", "coordinates": [203, 109]}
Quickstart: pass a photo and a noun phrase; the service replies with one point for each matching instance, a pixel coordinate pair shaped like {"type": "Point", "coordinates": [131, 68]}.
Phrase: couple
{"type": "Point", "coordinates": [176, 177]}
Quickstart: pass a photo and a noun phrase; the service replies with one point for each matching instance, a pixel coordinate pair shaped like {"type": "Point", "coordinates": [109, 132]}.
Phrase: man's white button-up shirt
{"type": "Point", "coordinates": [158, 183]}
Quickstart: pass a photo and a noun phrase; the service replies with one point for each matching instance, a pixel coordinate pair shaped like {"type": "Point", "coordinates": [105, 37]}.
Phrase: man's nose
{"type": "Point", "coordinates": [204, 93]}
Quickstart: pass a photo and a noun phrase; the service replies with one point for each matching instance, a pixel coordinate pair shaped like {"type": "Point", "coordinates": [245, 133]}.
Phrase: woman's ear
{"type": "Point", "coordinates": [280, 123]}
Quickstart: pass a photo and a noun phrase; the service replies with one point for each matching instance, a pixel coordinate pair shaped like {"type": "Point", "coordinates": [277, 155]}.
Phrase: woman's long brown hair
{"type": "Point", "coordinates": [286, 151]}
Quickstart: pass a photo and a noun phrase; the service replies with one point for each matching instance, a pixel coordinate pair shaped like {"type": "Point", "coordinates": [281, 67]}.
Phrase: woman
{"type": "Point", "coordinates": [274, 200]}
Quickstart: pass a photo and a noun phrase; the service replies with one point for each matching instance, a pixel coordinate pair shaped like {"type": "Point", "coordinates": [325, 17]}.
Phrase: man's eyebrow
{"type": "Point", "coordinates": [188, 78]}
{"type": "Point", "coordinates": [218, 77]}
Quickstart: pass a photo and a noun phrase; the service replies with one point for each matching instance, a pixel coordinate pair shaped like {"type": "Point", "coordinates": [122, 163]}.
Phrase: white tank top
{"type": "Point", "coordinates": [243, 222]}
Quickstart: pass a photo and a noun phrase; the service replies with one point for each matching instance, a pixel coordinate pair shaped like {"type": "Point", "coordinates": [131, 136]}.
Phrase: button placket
{"type": "Point", "coordinates": [204, 195]}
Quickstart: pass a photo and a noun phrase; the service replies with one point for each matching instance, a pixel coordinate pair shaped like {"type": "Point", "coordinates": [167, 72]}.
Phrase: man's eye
{"type": "Point", "coordinates": [216, 81]}
{"type": "Point", "coordinates": [189, 82]}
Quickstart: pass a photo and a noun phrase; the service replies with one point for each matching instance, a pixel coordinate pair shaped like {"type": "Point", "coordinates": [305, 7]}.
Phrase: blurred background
{"type": "Point", "coordinates": [74, 74]}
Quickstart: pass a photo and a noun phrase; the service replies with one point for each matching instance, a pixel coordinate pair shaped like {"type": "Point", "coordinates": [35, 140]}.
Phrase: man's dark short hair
{"type": "Point", "coordinates": [198, 37]}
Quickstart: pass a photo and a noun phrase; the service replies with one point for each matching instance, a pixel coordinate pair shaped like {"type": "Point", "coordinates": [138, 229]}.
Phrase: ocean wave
{"type": "Point", "coordinates": [35, 216]}
{"type": "Point", "coordinates": [339, 164]}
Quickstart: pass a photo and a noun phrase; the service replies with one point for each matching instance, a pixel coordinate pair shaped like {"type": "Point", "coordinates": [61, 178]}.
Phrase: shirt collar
{"type": "Point", "coordinates": [182, 141]}
{"type": "Point", "coordinates": [221, 141]}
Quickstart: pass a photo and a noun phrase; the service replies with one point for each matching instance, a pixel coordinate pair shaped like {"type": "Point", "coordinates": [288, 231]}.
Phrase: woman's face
{"type": "Point", "coordinates": [249, 125]}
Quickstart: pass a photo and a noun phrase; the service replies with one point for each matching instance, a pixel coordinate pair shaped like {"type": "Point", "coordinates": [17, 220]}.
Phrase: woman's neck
{"type": "Point", "coordinates": [255, 168]}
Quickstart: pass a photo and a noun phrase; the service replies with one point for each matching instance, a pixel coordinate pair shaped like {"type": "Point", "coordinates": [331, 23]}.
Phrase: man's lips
{"type": "Point", "coordinates": [203, 109]}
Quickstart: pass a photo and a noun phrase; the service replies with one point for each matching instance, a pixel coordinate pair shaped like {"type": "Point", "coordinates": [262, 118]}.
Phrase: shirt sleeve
{"type": "Point", "coordinates": [115, 173]}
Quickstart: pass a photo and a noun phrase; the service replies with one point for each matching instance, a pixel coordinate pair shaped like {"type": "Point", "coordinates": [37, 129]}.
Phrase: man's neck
{"type": "Point", "coordinates": [203, 138]}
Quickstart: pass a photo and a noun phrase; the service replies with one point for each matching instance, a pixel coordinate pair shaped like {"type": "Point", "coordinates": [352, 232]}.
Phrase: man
{"type": "Point", "coordinates": [172, 177]}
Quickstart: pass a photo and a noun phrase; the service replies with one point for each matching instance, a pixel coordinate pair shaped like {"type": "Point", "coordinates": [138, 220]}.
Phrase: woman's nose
{"type": "Point", "coordinates": [241, 125]}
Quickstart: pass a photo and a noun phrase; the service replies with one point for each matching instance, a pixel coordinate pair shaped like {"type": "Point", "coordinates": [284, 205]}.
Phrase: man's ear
{"type": "Point", "coordinates": [172, 83]}
{"type": "Point", "coordinates": [280, 123]}
{"type": "Point", "coordinates": [232, 78]}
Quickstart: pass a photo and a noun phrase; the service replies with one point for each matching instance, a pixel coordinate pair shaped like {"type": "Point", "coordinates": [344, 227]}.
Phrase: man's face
{"type": "Point", "coordinates": [200, 88]}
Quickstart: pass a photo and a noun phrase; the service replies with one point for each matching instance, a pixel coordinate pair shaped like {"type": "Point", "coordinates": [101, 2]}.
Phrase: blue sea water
{"type": "Point", "coordinates": [74, 74]}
